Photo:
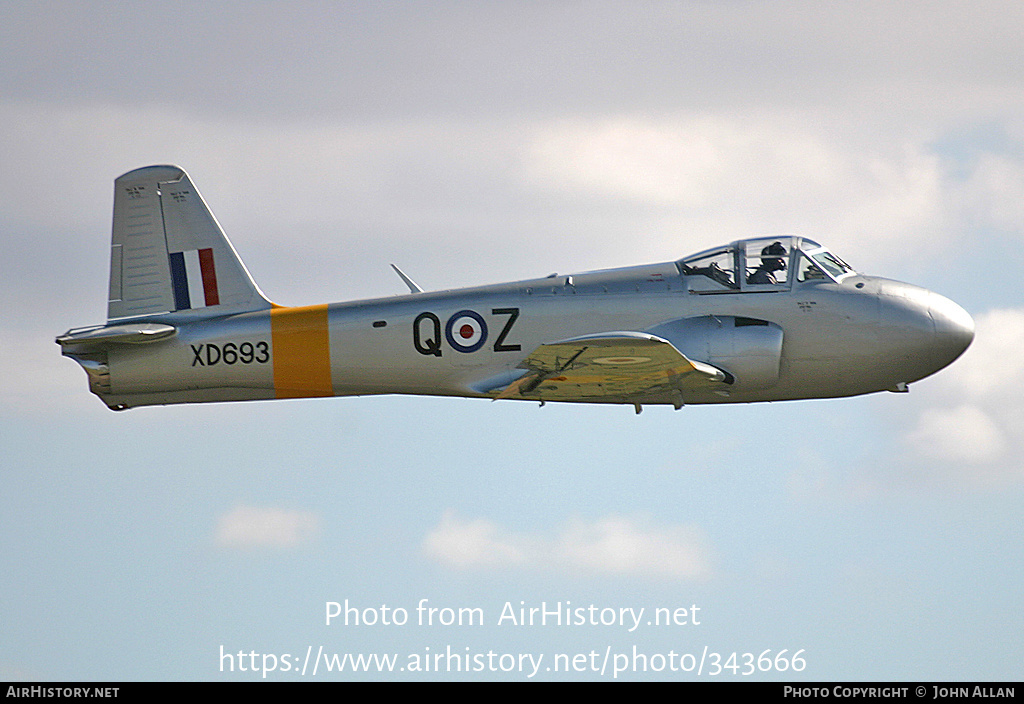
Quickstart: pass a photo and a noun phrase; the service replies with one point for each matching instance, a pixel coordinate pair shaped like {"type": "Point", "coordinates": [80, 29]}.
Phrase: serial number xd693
{"type": "Point", "coordinates": [208, 355]}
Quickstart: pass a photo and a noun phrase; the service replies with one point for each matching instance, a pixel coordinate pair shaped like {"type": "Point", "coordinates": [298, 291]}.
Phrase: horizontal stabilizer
{"type": "Point", "coordinates": [124, 334]}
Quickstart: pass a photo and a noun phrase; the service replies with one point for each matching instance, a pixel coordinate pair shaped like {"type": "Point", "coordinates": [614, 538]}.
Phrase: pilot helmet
{"type": "Point", "coordinates": [771, 257]}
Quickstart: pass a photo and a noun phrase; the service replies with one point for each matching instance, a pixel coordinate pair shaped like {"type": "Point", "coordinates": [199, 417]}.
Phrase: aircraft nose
{"type": "Point", "coordinates": [925, 331]}
{"type": "Point", "coordinates": [954, 328]}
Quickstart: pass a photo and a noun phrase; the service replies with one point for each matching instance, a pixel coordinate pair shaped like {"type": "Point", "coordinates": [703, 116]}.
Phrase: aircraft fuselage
{"type": "Point", "coordinates": [840, 339]}
{"type": "Point", "coordinates": [764, 319]}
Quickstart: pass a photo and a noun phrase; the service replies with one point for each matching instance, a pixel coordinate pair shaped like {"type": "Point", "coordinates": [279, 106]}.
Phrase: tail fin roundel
{"type": "Point", "coordinates": [169, 254]}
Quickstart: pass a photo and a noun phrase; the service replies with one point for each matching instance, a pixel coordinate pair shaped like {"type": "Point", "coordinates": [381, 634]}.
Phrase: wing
{"type": "Point", "coordinates": [614, 364]}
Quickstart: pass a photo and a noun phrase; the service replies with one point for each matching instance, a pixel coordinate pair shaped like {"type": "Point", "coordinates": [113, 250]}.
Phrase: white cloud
{"type": "Point", "coordinates": [472, 543]}
{"type": "Point", "coordinates": [619, 545]}
{"type": "Point", "coordinates": [972, 421]}
{"type": "Point", "coordinates": [994, 194]}
{"type": "Point", "coordinates": [263, 527]}
{"type": "Point", "coordinates": [611, 545]}
{"type": "Point", "coordinates": [993, 366]}
{"type": "Point", "coordinates": [752, 175]}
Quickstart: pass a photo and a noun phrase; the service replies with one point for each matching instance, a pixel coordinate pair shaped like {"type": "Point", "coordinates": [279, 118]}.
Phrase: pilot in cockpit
{"type": "Point", "coordinates": [771, 261]}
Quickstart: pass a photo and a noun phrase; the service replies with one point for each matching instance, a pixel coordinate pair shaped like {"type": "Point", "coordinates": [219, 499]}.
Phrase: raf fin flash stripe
{"type": "Point", "coordinates": [302, 352]}
{"type": "Point", "coordinates": [194, 279]}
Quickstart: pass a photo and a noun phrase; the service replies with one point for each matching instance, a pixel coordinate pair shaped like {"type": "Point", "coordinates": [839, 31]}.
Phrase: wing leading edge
{"type": "Point", "coordinates": [627, 365]}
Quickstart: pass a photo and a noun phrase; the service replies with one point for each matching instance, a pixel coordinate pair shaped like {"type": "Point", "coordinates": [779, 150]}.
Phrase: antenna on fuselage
{"type": "Point", "coordinates": [413, 288]}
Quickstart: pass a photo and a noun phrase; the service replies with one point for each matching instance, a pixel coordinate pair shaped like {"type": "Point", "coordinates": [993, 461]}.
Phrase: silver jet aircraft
{"type": "Point", "coordinates": [764, 319]}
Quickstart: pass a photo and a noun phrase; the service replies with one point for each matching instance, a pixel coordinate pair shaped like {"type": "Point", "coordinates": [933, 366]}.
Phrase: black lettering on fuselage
{"type": "Point", "coordinates": [428, 341]}
{"type": "Point", "coordinates": [513, 315]}
{"type": "Point", "coordinates": [427, 345]}
{"type": "Point", "coordinates": [208, 355]}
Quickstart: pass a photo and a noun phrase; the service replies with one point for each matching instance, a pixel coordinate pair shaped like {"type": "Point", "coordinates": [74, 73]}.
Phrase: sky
{"type": "Point", "coordinates": [871, 538]}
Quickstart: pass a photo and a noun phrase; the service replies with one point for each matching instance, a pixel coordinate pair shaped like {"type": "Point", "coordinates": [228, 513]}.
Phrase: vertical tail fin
{"type": "Point", "coordinates": [168, 253]}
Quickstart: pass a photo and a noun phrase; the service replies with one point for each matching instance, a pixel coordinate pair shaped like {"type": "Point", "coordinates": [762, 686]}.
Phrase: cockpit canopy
{"type": "Point", "coordinates": [762, 264]}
